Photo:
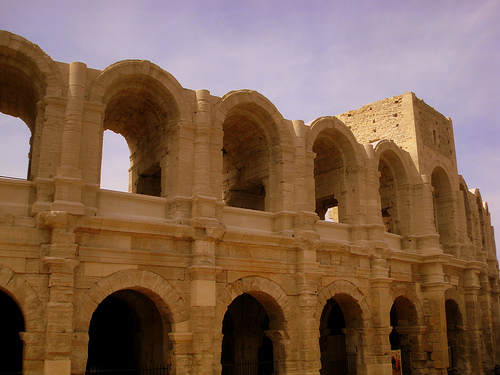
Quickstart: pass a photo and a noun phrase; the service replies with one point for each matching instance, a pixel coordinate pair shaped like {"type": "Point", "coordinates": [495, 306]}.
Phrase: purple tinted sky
{"type": "Point", "coordinates": [310, 58]}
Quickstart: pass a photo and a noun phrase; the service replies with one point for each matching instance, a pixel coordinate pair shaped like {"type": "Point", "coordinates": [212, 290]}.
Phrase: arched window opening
{"type": "Point", "coordinates": [481, 221]}
{"type": "Point", "coordinates": [11, 345]}
{"type": "Point", "coordinates": [388, 197]}
{"type": "Point", "coordinates": [457, 339]}
{"type": "Point", "coordinates": [246, 346]}
{"type": "Point", "coordinates": [141, 111]}
{"type": "Point", "coordinates": [329, 174]}
{"type": "Point", "coordinates": [443, 209]}
{"type": "Point", "coordinates": [14, 147]}
{"type": "Point", "coordinates": [245, 160]}
{"type": "Point", "coordinates": [403, 317]}
{"type": "Point", "coordinates": [468, 213]}
{"type": "Point", "coordinates": [340, 336]}
{"type": "Point", "coordinates": [127, 333]}
{"type": "Point", "coordinates": [115, 162]}
{"type": "Point", "coordinates": [19, 98]}
{"type": "Point", "coordinates": [332, 340]}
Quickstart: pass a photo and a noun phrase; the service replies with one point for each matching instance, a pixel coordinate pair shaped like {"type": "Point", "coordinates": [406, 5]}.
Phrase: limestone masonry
{"type": "Point", "coordinates": [247, 244]}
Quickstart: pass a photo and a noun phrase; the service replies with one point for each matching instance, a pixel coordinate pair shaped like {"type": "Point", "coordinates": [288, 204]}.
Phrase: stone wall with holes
{"type": "Point", "coordinates": [390, 118]}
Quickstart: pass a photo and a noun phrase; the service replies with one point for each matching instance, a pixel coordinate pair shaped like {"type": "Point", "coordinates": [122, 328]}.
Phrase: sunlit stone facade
{"type": "Point", "coordinates": [245, 238]}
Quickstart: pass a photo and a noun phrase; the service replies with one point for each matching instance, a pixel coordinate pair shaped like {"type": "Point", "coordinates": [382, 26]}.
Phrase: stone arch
{"type": "Point", "coordinates": [406, 317]}
{"type": "Point", "coordinates": [29, 77]}
{"type": "Point", "coordinates": [275, 302]}
{"type": "Point", "coordinates": [468, 213]}
{"type": "Point", "coordinates": [159, 290]}
{"type": "Point", "coordinates": [402, 290]}
{"type": "Point", "coordinates": [393, 187]}
{"type": "Point", "coordinates": [343, 287]}
{"type": "Point", "coordinates": [254, 140]}
{"type": "Point", "coordinates": [444, 208]}
{"type": "Point", "coordinates": [33, 312]}
{"type": "Point", "coordinates": [272, 122]}
{"type": "Point", "coordinates": [26, 298]}
{"type": "Point", "coordinates": [342, 318]}
{"type": "Point", "coordinates": [458, 343]}
{"type": "Point", "coordinates": [122, 70]}
{"type": "Point", "coordinates": [145, 105]}
{"type": "Point", "coordinates": [481, 210]}
{"type": "Point", "coordinates": [337, 165]}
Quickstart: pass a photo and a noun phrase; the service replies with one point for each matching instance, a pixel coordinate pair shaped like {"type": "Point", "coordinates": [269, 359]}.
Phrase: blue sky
{"type": "Point", "coordinates": [310, 58]}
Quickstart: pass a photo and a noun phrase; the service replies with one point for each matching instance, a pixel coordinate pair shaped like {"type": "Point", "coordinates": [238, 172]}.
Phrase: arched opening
{"type": "Point", "coordinates": [340, 336]}
{"type": "Point", "coordinates": [443, 208]}
{"type": "Point", "coordinates": [246, 159]}
{"type": "Point", "coordinates": [11, 345]}
{"type": "Point", "coordinates": [14, 147]}
{"type": "Point", "coordinates": [481, 223]}
{"type": "Point", "coordinates": [457, 340]}
{"type": "Point", "coordinates": [141, 111]}
{"type": "Point", "coordinates": [19, 96]}
{"type": "Point", "coordinates": [115, 162]}
{"type": "Point", "coordinates": [127, 333]}
{"type": "Point", "coordinates": [403, 337]}
{"type": "Point", "coordinates": [388, 197]}
{"type": "Point", "coordinates": [393, 189]}
{"type": "Point", "coordinates": [329, 178]}
{"type": "Point", "coordinates": [247, 346]}
{"type": "Point", "coordinates": [468, 213]}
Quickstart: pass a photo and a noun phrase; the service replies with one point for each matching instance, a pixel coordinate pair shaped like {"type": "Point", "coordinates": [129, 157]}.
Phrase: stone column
{"type": "Point", "coordinates": [473, 320]}
{"type": "Point", "coordinates": [487, 323]}
{"type": "Point", "coordinates": [435, 314]}
{"type": "Point", "coordinates": [179, 181]}
{"type": "Point", "coordinates": [34, 348]}
{"type": "Point", "coordinates": [203, 299]}
{"type": "Point", "coordinates": [61, 263]}
{"type": "Point", "coordinates": [69, 180]}
{"type": "Point", "coordinates": [428, 238]}
{"type": "Point", "coordinates": [48, 138]}
{"type": "Point", "coordinates": [182, 342]}
{"type": "Point", "coordinates": [377, 347]}
{"type": "Point", "coordinates": [307, 358]}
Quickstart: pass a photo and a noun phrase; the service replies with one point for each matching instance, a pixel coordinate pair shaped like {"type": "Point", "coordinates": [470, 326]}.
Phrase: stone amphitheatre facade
{"type": "Point", "coordinates": [246, 238]}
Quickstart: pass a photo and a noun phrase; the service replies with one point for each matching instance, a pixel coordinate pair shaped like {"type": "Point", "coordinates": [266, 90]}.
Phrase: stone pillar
{"type": "Point", "coordinates": [428, 238]}
{"type": "Point", "coordinates": [92, 147]}
{"type": "Point", "coordinates": [182, 342]}
{"type": "Point", "coordinates": [377, 347]}
{"type": "Point", "coordinates": [48, 138]}
{"type": "Point", "coordinates": [435, 315]}
{"type": "Point", "coordinates": [61, 263]}
{"type": "Point", "coordinates": [487, 323]}
{"type": "Point", "coordinates": [180, 178]}
{"type": "Point", "coordinates": [33, 352]}
{"type": "Point", "coordinates": [307, 357]}
{"type": "Point", "coordinates": [495, 315]}
{"type": "Point", "coordinates": [473, 320]}
{"type": "Point", "coordinates": [301, 171]}
{"type": "Point", "coordinates": [203, 299]}
{"type": "Point", "coordinates": [202, 144]}
{"type": "Point", "coordinates": [68, 181]}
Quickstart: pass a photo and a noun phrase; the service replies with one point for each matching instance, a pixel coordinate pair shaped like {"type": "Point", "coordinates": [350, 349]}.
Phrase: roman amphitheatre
{"type": "Point", "coordinates": [247, 243]}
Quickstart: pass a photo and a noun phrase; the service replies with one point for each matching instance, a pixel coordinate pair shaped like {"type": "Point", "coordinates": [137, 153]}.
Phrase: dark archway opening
{"type": "Point", "coordinates": [11, 345]}
{"type": "Point", "coordinates": [329, 178]}
{"type": "Point", "coordinates": [334, 359]}
{"type": "Point", "coordinates": [457, 340]}
{"type": "Point", "coordinates": [245, 158]}
{"type": "Point", "coordinates": [245, 347]}
{"type": "Point", "coordinates": [126, 334]}
{"type": "Point", "coordinates": [403, 317]}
